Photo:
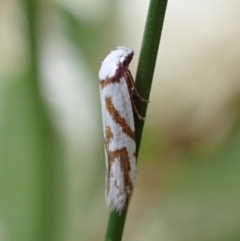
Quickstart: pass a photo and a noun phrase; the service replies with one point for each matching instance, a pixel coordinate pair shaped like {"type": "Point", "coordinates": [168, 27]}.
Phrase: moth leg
{"type": "Point", "coordinates": [136, 111]}
{"type": "Point", "coordinates": [135, 92]}
{"type": "Point", "coordinates": [134, 89]}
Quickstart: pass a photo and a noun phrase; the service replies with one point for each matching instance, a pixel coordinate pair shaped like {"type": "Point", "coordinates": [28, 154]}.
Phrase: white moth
{"type": "Point", "coordinates": [116, 90]}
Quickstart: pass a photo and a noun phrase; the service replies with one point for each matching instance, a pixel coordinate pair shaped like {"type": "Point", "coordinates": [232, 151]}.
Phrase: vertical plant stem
{"type": "Point", "coordinates": [115, 226]}
{"type": "Point", "coordinates": [145, 71]}
{"type": "Point", "coordinates": [147, 59]}
{"type": "Point", "coordinates": [51, 196]}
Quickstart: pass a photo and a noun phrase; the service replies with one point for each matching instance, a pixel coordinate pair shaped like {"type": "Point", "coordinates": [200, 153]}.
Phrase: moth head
{"type": "Point", "coordinates": [126, 56]}
{"type": "Point", "coordinates": [118, 58]}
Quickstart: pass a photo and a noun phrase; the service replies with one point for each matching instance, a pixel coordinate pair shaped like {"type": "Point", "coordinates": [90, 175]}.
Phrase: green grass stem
{"type": "Point", "coordinates": [144, 76]}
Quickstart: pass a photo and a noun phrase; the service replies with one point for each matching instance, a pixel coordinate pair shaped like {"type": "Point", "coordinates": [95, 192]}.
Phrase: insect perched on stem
{"type": "Point", "coordinates": [116, 90]}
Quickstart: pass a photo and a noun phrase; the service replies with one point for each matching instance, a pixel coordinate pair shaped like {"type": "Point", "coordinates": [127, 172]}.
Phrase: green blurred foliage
{"type": "Point", "coordinates": [32, 179]}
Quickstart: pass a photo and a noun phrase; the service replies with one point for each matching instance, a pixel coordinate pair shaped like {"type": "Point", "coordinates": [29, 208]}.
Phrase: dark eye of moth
{"type": "Point", "coordinates": [125, 63]}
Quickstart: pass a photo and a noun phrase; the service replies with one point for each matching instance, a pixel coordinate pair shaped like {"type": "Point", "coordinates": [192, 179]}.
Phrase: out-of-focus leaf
{"type": "Point", "coordinates": [31, 178]}
{"type": "Point", "coordinates": [92, 38]}
{"type": "Point", "coordinates": [203, 200]}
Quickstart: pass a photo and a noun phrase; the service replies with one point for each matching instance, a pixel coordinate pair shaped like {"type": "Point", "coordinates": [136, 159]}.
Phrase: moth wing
{"type": "Point", "coordinates": [119, 135]}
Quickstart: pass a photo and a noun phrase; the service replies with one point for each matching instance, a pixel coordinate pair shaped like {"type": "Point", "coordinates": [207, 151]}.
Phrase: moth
{"type": "Point", "coordinates": [116, 91]}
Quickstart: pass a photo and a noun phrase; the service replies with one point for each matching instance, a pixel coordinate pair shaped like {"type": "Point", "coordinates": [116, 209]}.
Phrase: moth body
{"type": "Point", "coordinates": [116, 87]}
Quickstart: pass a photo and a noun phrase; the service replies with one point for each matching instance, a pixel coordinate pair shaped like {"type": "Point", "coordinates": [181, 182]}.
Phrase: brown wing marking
{"type": "Point", "coordinates": [109, 81]}
{"type": "Point", "coordinates": [122, 155]}
{"type": "Point", "coordinates": [118, 119]}
{"type": "Point", "coordinates": [108, 138]}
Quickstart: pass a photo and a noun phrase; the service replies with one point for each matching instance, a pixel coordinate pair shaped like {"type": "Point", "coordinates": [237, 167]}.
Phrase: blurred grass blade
{"type": "Point", "coordinates": [145, 71]}
{"type": "Point", "coordinates": [31, 167]}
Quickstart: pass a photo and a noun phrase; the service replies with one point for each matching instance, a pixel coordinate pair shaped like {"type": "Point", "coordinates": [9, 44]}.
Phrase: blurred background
{"type": "Point", "coordinates": [51, 142]}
